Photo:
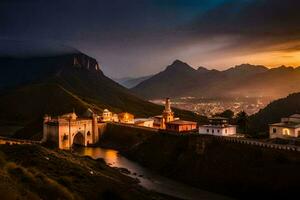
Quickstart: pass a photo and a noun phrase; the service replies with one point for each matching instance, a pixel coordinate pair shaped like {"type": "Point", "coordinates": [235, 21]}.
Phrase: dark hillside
{"type": "Point", "coordinates": [273, 113]}
{"type": "Point", "coordinates": [59, 84]}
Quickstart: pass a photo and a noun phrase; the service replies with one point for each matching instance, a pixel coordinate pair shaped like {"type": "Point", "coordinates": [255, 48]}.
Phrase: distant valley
{"type": "Point", "coordinates": [181, 80]}
{"type": "Point", "coordinates": [130, 82]}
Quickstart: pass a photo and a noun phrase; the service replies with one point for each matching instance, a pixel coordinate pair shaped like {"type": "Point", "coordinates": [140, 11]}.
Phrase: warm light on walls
{"type": "Point", "coordinates": [286, 131]}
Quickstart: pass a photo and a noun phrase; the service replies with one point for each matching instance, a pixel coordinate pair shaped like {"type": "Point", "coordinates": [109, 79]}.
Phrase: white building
{"type": "Point", "coordinates": [107, 115]}
{"type": "Point", "coordinates": [146, 122]}
{"type": "Point", "coordinates": [287, 128]}
{"type": "Point", "coordinates": [218, 126]}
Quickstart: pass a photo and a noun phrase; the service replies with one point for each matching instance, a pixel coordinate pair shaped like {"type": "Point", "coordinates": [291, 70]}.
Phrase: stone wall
{"type": "Point", "coordinates": [232, 166]}
{"type": "Point", "coordinates": [124, 136]}
{"type": "Point", "coordinates": [131, 130]}
{"type": "Point", "coordinates": [4, 140]}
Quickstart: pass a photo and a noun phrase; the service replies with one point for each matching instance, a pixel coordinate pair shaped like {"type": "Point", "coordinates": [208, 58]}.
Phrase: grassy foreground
{"type": "Point", "coordinates": [34, 172]}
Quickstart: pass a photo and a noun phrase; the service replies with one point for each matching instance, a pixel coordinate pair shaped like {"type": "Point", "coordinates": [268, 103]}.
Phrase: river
{"type": "Point", "coordinates": [148, 179]}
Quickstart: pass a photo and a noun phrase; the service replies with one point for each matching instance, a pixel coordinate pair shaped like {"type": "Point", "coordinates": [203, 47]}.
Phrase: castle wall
{"type": "Point", "coordinates": [52, 133]}
{"type": "Point", "coordinates": [64, 137]}
{"type": "Point", "coordinates": [101, 128]}
{"type": "Point", "coordinates": [63, 132]}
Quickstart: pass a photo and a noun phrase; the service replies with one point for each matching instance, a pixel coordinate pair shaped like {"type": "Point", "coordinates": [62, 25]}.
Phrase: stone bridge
{"type": "Point", "coordinates": [5, 140]}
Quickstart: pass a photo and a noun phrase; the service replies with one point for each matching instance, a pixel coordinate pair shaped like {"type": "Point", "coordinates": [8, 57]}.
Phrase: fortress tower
{"type": "Point", "coordinates": [167, 115]}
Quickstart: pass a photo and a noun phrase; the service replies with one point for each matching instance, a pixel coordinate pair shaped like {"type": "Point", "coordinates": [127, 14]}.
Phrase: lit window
{"type": "Point", "coordinates": [286, 132]}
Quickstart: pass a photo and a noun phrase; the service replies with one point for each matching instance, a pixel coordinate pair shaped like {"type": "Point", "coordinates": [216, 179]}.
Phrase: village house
{"type": "Point", "coordinates": [108, 116]}
{"type": "Point", "coordinates": [218, 126]}
{"type": "Point", "coordinates": [126, 118]}
{"type": "Point", "coordinates": [181, 126]}
{"type": "Point", "coordinates": [157, 121]}
{"type": "Point", "coordinates": [289, 127]}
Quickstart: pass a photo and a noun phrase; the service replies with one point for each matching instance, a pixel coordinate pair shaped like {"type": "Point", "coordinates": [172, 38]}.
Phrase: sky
{"type": "Point", "coordinates": [132, 38]}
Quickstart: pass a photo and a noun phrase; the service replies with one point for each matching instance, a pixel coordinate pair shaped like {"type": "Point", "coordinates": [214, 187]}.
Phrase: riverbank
{"type": "Point", "coordinates": [34, 172]}
{"type": "Point", "coordinates": [237, 170]}
{"type": "Point", "coordinates": [147, 178]}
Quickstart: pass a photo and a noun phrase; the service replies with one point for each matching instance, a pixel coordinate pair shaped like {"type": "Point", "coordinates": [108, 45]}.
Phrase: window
{"type": "Point", "coordinates": [207, 130]}
{"type": "Point", "coordinates": [88, 133]}
{"type": "Point", "coordinates": [274, 130]}
{"type": "Point", "coordinates": [65, 137]}
{"type": "Point", "coordinates": [225, 130]}
{"type": "Point", "coordinates": [218, 131]}
{"type": "Point", "coordinates": [213, 131]}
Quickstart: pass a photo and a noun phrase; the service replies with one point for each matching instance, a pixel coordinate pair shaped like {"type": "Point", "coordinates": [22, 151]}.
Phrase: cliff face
{"type": "Point", "coordinates": [20, 71]}
{"type": "Point", "coordinates": [84, 61]}
{"type": "Point", "coordinates": [237, 170]}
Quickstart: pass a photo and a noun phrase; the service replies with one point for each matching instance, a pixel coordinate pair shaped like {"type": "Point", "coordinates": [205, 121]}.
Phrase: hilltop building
{"type": "Point", "coordinates": [69, 129]}
{"type": "Point", "coordinates": [126, 118]}
{"type": "Point", "coordinates": [115, 118]}
{"type": "Point", "coordinates": [181, 126]}
{"type": "Point", "coordinates": [288, 127]}
{"type": "Point", "coordinates": [167, 116]}
{"type": "Point", "coordinates": [108, 116]}
{"type": "Point", "coordinates": [157, 121]}
{"type": "Point", "coordinates": [218, 126]}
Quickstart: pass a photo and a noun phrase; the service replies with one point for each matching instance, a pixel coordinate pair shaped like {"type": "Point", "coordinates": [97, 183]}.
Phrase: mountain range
{"type": "Point", "coordinates": [33, 86]}
{"type": "Point", "coordinates": [180, 79]}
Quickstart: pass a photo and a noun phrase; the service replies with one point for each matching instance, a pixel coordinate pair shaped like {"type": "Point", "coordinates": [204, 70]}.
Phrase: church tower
{"type": "Point", "coordinates": [167, 115]}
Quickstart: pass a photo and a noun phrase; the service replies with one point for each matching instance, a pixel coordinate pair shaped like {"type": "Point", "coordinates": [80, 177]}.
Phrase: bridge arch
{"type": "Point", "coordinates": [79, 139]}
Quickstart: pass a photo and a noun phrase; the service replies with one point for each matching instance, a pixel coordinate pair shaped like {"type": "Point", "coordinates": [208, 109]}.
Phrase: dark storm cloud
{"type": "Point", "coordinates": [138, 37]}
{"type": "Point", "coordinates": [120, 34]}
{"type": "Point", "coordinates": [259, 21]}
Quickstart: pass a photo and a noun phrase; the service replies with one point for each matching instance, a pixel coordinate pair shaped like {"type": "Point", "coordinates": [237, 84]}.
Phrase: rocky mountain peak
{"type": "Point", "coordinates": [84, 61]}
{"type": "Point", "coordinates": [179, 65]}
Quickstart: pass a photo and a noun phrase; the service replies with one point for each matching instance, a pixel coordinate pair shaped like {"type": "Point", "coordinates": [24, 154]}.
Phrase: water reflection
{"type": "Point", "coordinates": [147, 178]}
